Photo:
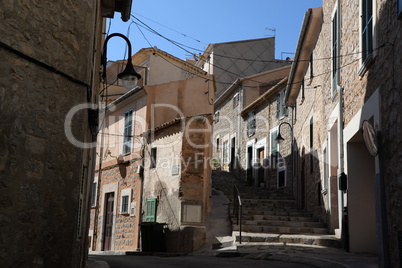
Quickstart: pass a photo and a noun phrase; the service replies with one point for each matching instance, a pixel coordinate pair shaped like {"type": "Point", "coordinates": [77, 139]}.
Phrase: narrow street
{"type": "Point", "coordinates": [124, 261]}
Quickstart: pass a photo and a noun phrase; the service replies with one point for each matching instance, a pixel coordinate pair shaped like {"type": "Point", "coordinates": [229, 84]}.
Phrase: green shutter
{"type": "Point", "coordinates": [150, 213]}
{"type": "Point", "coordinates": [274, 143]}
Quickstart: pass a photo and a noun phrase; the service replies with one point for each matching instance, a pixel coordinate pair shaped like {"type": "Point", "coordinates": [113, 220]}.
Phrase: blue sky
{"type": "Point", "coordinates": [195, 25]}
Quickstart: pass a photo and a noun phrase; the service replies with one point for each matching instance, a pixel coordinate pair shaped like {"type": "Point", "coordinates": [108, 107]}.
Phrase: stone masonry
{"type": "Point", "coordinates": [372, 94]}
{"type": "Point", "coordinates": [43, 189]}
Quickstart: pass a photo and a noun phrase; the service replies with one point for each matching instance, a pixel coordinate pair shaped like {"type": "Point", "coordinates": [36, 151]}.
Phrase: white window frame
{"type": "Point", "coordinates": [236, 100]}
{"type": "Point", "coordinates": [251, 126]}
{"type": "Point", "coordinates": [216, 116]}
{"type": "Point", "coordinates": [261, 144]}
{"type": "Point", "coordinates": [125, 192]}
{"type": "Point", "coordinates": [95, 193]}
{"type": "Point", "coordinates": [271, 133]}
{"type": "Point", "coordinates": [128, 139]}
{"type": "Point", "coordinates": [282, 110]}
{"type": "Point", "coordinates": [225, 152]}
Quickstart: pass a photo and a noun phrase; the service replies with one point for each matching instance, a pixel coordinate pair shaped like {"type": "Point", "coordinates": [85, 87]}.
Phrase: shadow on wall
{"type": "Point", "coordinates": [383, 78]}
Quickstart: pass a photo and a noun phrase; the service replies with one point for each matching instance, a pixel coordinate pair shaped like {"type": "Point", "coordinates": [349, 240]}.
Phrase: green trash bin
{"type": "Point", "coordinates": [153, 237]}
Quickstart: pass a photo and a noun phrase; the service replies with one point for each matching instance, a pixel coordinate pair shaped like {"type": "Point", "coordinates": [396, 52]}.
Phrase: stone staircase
{"type": "Point", "coordinates": [271, 218]}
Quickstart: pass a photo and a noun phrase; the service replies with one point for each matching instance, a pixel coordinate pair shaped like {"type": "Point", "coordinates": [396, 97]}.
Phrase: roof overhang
{"type": "Point", "coordinates": [267, 96]}
{"type": "Point", "coordinates": [309, 33]}
{"type": "Point", "coordinates": [108, 7]}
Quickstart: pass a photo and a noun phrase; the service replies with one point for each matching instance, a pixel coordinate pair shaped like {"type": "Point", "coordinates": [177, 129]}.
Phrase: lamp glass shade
{"type": "Point", "coordinates": [128, 84]}
{"type": "Point", "coordinates": [129, 76]}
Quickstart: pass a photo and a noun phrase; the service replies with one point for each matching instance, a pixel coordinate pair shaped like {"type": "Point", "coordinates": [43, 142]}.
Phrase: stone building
{"type": "Point", "coordinates": [177, 173]}
{"type": "Point", "coordinates": [266, 162]}
{"type": "Point", "coordinates": [119, 176]}
{"type": "Point", "coordinates": [230, 60]}
{"type": "Point", "coordinates": [117, 185]}
{"type": "Point", "coordinates": [345, 89]}
{"type": "Point", "coordinates": [247, 118]}
{"type": "Point", "coordinates": [50, 58]}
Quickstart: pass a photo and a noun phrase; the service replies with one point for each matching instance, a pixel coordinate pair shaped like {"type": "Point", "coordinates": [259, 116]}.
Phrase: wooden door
{"type": "Point", "coordinates": [107, 239]}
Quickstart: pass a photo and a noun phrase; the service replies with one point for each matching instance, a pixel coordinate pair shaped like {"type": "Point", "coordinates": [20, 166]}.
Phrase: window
{"type": "Point", "coordinates": [153, 158]}
{"type": "Point", "coordinates": [367, 29]}
{"type": "Point", "coordinates": [251, 124]}
{"type": "Point", "coordinates": [311, 67]}
{"type": "Point", "coordinates": [274, 147]}
{"type": "Point", "coordinates": [335, 52]}
{"type": "Point", "coordinates": [326, 169]}
{"type": "Point", "coordinates": [124, 204]}
{"type": "Point", "coordinates": [281, 177]}
{"type": "Point", "coordinates": [319, 193]}
{"type": "Point", "coordinates": [125, 201]}
{"type": "Point", "coordinates": [216, 117]}
{"type": "Point", "coordinates": [150, 210]}
{"type": "Point", "coordinates": [399, 9]}
{"type": "Point", "coordinates": [93, 193]}
{"type": "Point", "coordinates": [225, 152]}
{"type": "Point", "coordinates": [128, 130]}
{"type": "Point", "coordinates": [311, 145]}
{"type": "Point", "coordinates": [281, 109]}
{"type": "Point", "coordinates": [217, 145]}
{"type": "Point", "coordinates": [236, 100]}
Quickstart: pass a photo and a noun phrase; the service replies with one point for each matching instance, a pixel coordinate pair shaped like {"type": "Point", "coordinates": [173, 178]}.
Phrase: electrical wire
{"type": "Point", "coordinates": [235, 74]}
{"type": "Point", "coordinates": [185, 35]}
{"type": "Point", "coordinates": [147, 27]}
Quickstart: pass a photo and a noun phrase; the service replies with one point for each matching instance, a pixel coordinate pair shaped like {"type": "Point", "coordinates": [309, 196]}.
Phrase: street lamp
{"type": "Point", "coordinates": [279, 139]}
{"type": "Point", "coordinates": [129, 76]}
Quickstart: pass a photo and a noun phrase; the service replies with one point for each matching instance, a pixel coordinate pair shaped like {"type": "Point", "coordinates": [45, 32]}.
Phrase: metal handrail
{"type": "Point", "coordinates": [237, 208]}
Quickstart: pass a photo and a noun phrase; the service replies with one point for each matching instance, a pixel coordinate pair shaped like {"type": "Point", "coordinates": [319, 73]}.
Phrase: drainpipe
{"type": "Point", "coordinates": [97, 207]}
{"type": "Point", "coordinates": [341, 210]}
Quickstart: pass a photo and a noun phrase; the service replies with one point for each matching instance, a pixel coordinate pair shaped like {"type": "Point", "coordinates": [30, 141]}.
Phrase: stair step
{"type": "Point", "coordinates": [280, 229]}
{"type": "Point", "coordinates": [277, 212]}
{"type": "Point", "coordinates": [286, 239]}
{"type": "Point", "coordinates": [305, 218]}
{"type": "Point", "coordinates": [285, 223]}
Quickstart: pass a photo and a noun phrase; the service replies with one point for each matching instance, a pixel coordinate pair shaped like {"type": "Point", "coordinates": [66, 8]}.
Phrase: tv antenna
{"type": "Point", "coordinates": [272, 30]}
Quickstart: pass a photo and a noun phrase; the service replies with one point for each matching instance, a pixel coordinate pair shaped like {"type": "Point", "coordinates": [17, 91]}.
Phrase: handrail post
{"type": "Point", "coordinates": [240, 224]}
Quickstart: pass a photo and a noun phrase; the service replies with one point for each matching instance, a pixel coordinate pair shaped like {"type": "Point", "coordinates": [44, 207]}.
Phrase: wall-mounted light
{"type": "Point", "coordinates": [129, 76]}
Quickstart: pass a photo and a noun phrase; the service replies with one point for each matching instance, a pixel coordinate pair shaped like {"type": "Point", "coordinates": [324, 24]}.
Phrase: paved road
{"type": "Point", "coordinates": [191, 261]}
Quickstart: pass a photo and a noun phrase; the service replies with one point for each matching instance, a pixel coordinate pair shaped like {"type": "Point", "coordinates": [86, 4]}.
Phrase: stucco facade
{"type": "Point", "coordinates": [330, 129]}
{"type": "Point", "coordinates": [162, 67]}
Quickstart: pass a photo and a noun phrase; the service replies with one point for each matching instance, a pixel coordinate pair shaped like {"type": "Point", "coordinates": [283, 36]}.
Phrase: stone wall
{"type": "Point", "coordinates": [226, 127]}
{"type": "Point", "coordinates": [43, 176]}
{"type": "Point", "coordinates": [126, 226]}
{"type": "Point", "coordinates": [370, 95]}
